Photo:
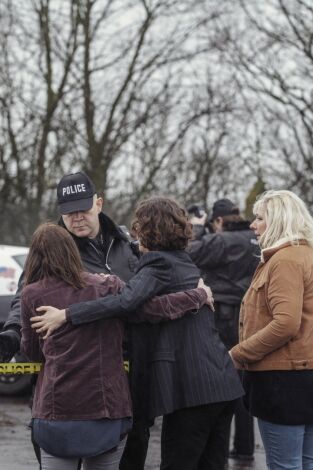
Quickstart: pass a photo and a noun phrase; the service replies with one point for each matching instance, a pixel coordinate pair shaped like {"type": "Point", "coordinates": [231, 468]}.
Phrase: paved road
{"type": "Point", "coordinates": [16, 451]}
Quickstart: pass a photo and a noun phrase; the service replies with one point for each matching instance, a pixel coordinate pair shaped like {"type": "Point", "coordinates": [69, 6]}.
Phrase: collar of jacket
{"type": "Point", "coordinates": [107, 226]}
{"type": "Point", "coordinates": [267, 253]}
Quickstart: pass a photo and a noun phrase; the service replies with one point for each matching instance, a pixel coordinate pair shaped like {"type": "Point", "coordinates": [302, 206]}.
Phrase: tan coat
{"type": "Point", "coordinates": [276, 317]}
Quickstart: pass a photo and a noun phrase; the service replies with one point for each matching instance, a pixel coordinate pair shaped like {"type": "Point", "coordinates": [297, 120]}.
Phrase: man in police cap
{"type": "Point", "coordinates": [227, 259]}
{"type": "Point", "coordinates": [104, 248]}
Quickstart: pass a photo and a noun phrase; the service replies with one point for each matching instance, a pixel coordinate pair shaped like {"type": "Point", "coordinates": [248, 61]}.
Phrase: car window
{"type": "Point", "coordinates": [20, 259]}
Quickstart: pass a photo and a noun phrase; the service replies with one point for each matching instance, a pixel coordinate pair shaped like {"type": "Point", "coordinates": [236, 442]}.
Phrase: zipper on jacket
{"type": "Point", "coordinates": [107, 256]}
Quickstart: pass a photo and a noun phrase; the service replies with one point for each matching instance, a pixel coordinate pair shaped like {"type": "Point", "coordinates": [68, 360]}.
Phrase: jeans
{"type": "Point", "coordinates": [107, 461]}
{"type": "Point", "coordinates": [287, 447]}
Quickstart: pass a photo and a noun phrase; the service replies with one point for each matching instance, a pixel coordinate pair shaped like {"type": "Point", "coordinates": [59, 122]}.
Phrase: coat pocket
{"type": "Point", "coordinates": [258, 294]}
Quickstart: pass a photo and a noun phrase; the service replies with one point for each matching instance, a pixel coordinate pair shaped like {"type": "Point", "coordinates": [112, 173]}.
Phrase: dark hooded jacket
{"type": "Point", "coordinates": [227, 261]}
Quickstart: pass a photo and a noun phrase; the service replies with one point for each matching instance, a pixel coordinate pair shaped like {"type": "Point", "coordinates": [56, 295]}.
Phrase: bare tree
{"type": "Point", "coordinates": [34, 71]}
{"type": "Point", "coordinates": [137, 121]}
{"type": "Point", "coordinates": [101, 85]}
{"type": "Point", "coordinates": [273, 56]}
{"type": "Point", "coordinates": [179, 97]}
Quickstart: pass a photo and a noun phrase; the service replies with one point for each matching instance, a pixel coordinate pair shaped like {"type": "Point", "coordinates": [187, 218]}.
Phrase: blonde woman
{"type": "Point", "coordinates": [276, 331]}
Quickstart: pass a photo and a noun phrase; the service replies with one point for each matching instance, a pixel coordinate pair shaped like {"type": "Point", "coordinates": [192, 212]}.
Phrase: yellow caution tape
{"type": "Point", "coordinates": [30, 367]}
{"type": "Point", "coordinates": [20, 367]}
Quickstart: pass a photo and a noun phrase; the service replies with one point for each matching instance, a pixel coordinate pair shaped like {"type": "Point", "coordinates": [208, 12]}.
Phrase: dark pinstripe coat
{"type": "Point", "coordinates": [187, 362]}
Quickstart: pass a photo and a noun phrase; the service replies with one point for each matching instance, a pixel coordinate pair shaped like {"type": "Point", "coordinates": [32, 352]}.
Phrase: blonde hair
{"type": "Point", "coordinates": [286, 216]}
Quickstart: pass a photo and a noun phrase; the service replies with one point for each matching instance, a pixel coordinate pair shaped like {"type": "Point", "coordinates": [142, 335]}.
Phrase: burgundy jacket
{"type": "Point", "coordinates": [83, 375]}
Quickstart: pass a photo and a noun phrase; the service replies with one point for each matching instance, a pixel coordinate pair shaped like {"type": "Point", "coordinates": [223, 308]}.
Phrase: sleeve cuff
{"type": "Point", "coordinates": [67, 315]}
{"type": "Point", "coordinates": [203, 295]}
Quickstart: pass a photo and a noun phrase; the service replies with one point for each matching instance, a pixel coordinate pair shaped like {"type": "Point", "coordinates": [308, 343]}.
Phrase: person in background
{"type": "Point", "coordinates": [227, 259]}
{"type": "Point", "coordinates": [276, 331]}
{"type": "Point", "coordinates": [104, 248]}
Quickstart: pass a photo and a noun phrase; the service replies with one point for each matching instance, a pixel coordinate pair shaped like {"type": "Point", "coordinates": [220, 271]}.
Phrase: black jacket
{"type": "Point", "coordinates": [121, 259]}
{"type": "Point", "coordinates": [227, 260]}
{"type": "Point", "coordinates": [120, 256]}
{"type": "Point", "coordinates": [186, 361]}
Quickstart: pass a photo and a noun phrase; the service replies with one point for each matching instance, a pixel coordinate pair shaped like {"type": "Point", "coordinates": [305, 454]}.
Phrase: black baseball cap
{"type": "Point", "coordinates": [75, 193]}
{"type": "Point", "coordinates": [224, 207]}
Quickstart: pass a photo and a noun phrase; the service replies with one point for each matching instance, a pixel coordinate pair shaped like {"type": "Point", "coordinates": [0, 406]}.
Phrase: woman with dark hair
{"type": "Point", "coordinates": [81, 406]}
{"type": "Point", "coordinates": [192, 381]}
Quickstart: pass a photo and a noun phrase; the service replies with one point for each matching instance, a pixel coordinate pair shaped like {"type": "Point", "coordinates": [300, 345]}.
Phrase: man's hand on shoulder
{"type": "Point", "coordinates": [9, 344]}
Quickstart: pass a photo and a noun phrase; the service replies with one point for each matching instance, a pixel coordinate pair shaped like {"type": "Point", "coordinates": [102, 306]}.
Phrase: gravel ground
{"type": "Point", "coordinates": [16, 451]}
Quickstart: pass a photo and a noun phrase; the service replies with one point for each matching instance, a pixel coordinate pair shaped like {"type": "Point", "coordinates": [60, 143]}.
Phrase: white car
{"type": "Point", "coordinates": [12, 259]}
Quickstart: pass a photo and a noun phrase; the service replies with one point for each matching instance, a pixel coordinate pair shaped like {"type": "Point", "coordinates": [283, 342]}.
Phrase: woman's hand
{"type": "Point", "coordinates": [50, 321]}
{"type": "Point", "coordinates": [210, 299]}
{"type": "Point", "coordinates": [237, 364]}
